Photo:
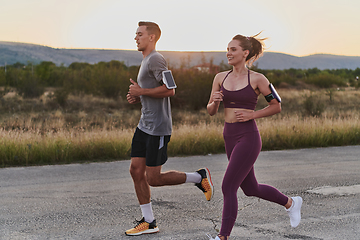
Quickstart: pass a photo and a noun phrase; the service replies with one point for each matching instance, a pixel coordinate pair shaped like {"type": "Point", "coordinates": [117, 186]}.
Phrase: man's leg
{"type": "Point", "coordinates": [156, 178]}
{"type": "Point", "coordinates": [142, 188]}
{"type": "Point", "coordinates": [156, 156]}
{"type": "Point", "coordinates": [138, 174]}
{"type": "Point", "coordinates": [201, 178]}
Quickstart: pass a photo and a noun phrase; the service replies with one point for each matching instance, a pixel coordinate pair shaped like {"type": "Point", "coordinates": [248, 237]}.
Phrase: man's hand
{"type": "Point", "coordinates": [132, 99]}
{"type": "Point", "coordinates": [134, 89]}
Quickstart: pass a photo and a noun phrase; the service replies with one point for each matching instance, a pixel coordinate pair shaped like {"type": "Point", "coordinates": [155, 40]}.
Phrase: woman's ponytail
{"type": "Point", "coordinates": [255, 46]}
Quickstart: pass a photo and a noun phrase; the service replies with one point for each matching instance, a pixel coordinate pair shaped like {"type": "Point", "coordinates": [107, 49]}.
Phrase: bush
{"type": "Point", "coordinates": [29, 87]}
{"type": "Point", "coordinates": [314, 106]}
{"type": "Point", "coordinates": [61, 96]}
{"type": "Point", "coordinates": [325, 80]}
{"type": "Point", "coordinates": [113, 83]}
{"type": "Point", "coordinates": [194, 88]}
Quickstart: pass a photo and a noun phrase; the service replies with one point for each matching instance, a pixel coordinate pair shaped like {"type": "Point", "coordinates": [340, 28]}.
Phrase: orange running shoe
{"type": "Point", "coordinates": [206, 184]}
{"type": "Point", "coordinates": [142, 227]}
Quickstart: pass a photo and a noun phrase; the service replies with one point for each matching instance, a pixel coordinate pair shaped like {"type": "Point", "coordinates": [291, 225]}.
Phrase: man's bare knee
{"type": "Point", "coordinates": [137, 169]}
{"type": "Point", "coordinates": [134, 171]}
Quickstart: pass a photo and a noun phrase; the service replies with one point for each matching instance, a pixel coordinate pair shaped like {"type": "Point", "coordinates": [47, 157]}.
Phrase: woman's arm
{"type": "Point", "coordinates": [216, 95]}
{"type": "Point", "coordinates": [274, 107]}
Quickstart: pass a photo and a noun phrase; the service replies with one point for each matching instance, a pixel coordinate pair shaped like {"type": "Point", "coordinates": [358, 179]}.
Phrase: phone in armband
{"type": "Point", "coordinates": [168, 79]}
{"type": "Point", "coordinates": [275, 93]}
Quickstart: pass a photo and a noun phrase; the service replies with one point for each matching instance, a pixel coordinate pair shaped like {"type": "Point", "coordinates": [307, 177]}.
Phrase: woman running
{"type": "Point", "coordinates": [239, 89]}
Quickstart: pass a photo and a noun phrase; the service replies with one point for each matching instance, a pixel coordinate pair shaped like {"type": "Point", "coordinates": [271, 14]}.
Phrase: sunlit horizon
{"type": "Point", "coordinates": [161, 50]}
{"type": "Point", "coordinates": [293, 28]}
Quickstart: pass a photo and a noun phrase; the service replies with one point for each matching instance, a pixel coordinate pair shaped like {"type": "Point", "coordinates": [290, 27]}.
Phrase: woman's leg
{"type": "Point", "coordinates": [251, 187]}
{"type": "Point", "coordinates": [243, 156]}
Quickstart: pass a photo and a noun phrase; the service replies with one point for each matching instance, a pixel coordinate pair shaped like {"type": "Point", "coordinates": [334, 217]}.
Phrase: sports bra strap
{"type": "Point", "coordinates": [231, 71]}
{"type": "Point", "coordinates": [226, 76]}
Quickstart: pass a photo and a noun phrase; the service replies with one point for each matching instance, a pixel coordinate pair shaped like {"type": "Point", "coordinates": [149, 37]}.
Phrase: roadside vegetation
{"type": "Point", "coordinates": [54, 114]}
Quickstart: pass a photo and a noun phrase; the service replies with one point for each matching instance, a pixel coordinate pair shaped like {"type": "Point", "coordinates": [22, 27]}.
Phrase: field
{"type": "Point", "coordinates": [98, 129]}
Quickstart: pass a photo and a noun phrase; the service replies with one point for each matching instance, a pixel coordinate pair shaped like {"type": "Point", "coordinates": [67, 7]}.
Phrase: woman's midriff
{"type": "Point", "coordinates": [230, 116]}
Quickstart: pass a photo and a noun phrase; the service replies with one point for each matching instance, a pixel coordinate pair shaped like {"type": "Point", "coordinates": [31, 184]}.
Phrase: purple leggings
{"type": "Point", "coordinates": [243, 145]}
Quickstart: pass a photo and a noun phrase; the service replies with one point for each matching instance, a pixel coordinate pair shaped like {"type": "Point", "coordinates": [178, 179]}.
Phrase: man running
{"type": "Point", "coordinates": [152, 135]}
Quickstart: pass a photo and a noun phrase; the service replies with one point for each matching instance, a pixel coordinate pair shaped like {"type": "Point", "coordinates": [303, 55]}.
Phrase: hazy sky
{"type": "Point", "coordinates": [294, 27]}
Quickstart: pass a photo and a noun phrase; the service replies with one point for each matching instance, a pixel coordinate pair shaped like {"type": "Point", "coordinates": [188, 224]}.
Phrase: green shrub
{"type": "Point", "coordinates": [60, 96]}
{"type": "Point", "coordinates": [29, 87]}
{"type": "Point", "coordinates": [194, 88]}
{"type": "Point", "coordinates": [325, 80]}
{"type": "Point", "coordinates": [313, 106]}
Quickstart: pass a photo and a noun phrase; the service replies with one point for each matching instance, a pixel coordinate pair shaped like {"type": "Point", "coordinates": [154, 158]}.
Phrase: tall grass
{"type": "Point", "coordinates": [199, 139]}
{"type": "Point", "coordinates": [34, 148]}
{"type": "Point", "coordinates": [99, 130]}
{"type": "Point", "coordinates": [298, 132]}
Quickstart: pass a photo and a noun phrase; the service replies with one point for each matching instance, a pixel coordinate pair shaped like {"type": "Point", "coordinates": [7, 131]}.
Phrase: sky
{"type": "Point", "coordinates": [298, 28]}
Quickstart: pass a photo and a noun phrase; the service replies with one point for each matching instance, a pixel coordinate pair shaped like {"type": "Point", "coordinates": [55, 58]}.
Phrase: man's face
{"type": "Point", "coordinates": [142, 38]}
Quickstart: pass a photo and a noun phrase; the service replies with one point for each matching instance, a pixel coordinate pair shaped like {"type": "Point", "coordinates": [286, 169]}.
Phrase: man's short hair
{"type": "Point", "coordinates": [152, 28]}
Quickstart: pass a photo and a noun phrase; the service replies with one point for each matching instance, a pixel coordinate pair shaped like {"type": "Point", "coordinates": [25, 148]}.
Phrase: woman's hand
{"type": "Point", "coordinates": [243, 116]}
{"type": "Point", "coordinates": [218, 96]}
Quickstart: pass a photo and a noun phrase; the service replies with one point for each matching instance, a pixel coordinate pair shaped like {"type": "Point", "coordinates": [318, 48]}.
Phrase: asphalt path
{"type": "Point", "coordinates": [97, 200]}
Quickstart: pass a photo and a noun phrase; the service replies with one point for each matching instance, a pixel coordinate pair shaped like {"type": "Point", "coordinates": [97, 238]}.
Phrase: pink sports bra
{"type": "Point", "coordinates": [245, 98]}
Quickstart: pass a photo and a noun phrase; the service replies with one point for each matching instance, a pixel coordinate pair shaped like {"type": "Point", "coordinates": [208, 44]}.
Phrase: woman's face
{"type": "Point", "coordinates": [235, 53]}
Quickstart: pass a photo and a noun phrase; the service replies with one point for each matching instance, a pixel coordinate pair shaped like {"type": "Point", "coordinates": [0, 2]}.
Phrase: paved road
{"type": "Point", "coordinates": [97, 200]}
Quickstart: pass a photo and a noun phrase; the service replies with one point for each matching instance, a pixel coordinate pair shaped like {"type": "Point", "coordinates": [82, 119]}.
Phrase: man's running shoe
{"type": "Point", "coordinates": [142, 227]}
{"type": "Point", "coordinates": [206, 184]}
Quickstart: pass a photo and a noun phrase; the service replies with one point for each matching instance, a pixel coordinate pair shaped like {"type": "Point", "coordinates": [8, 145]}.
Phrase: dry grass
{"type": "Point", "coordinates": [300, 132]}
{"type": "Point", "coordinates": [34, 147]}
{"type": "Point", "coordinates": [93, 129]}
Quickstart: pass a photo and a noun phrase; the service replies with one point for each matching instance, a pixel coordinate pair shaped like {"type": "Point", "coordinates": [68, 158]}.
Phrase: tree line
{"type": "Point", "coordinates": [111, 80]}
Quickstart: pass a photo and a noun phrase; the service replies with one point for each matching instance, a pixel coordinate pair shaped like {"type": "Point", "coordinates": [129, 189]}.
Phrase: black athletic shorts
{"type": "Point", "coordinates": [153, 148]}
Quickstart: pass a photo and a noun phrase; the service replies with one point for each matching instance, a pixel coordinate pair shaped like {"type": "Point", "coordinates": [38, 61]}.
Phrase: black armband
{"type": "Point", "coordinates": [273, 94]}
{"type": "Point", "coordinates": [269, 97]}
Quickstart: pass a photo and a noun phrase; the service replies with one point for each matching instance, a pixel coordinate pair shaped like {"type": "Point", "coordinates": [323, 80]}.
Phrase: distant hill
{"type": "Point", "coordinates": [12, 52]}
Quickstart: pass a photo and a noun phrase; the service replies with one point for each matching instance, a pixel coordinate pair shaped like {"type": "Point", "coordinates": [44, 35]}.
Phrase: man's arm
{"type": "Point", "coordinates": [159, 92]}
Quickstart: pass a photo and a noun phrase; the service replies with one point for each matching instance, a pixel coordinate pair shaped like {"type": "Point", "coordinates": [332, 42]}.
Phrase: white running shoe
{"type": "Point", "coordinates": [210, 238]}
{"type": "Point", "coordinates": [295, 211]}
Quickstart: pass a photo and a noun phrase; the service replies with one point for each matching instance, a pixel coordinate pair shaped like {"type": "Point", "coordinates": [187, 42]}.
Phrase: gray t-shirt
{"type": "Point", "coordinates": [155, 112]}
